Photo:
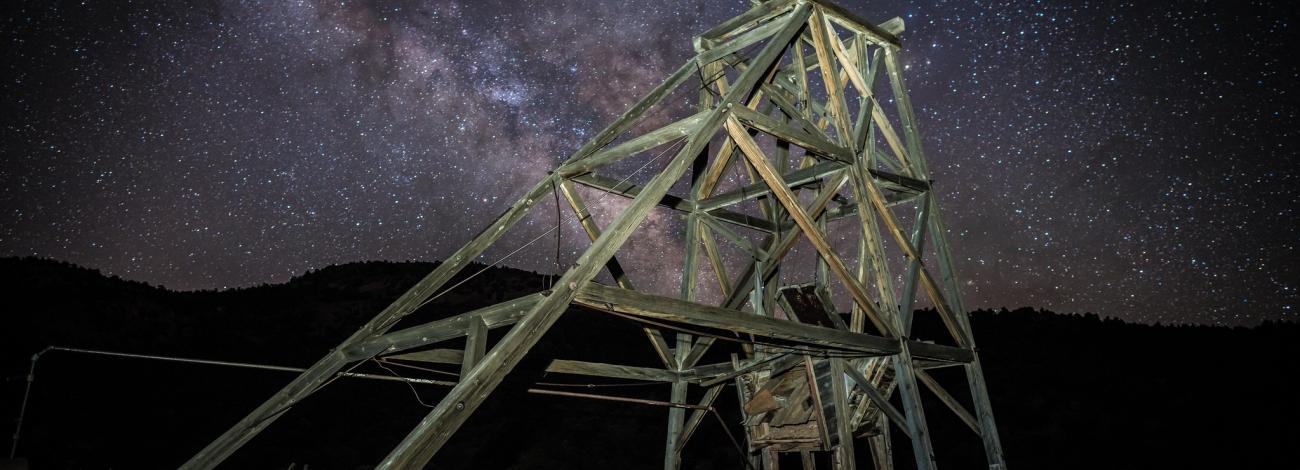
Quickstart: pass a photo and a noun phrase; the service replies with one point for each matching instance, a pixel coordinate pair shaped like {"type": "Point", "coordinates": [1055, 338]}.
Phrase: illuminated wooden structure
{"type": "Point", "coordinates": [790, 94]}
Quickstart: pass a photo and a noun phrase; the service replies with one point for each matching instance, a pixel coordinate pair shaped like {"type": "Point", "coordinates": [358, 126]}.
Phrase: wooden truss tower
{"type": "Point", "coordinates": [789, 94]}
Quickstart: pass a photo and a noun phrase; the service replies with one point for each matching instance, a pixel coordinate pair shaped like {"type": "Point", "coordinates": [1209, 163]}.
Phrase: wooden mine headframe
{"type": "Point", "coordinates": [788, 93]}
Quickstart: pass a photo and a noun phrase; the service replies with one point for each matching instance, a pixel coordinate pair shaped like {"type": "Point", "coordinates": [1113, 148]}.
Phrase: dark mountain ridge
{"type": "Point", "coordinates": [1069, 391]}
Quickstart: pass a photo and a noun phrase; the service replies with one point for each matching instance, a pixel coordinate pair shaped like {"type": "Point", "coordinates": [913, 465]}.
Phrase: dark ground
{"type": "Point", "coordinates": [1069, 391]}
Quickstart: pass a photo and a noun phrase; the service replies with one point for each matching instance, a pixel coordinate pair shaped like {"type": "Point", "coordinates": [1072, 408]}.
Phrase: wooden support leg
{"type": "Point", "coordinates": [475, 345]}
{"type": "Point", "coordinates": [677, 416]}
{"type": "Point", "coordinates": [882, 454]}
{"type": "Point", "coordinates": [920, 435]}
{"type": "Point", "coordinates": [806, 457]}
{"type": "Point", "coordinates": [844, 457]}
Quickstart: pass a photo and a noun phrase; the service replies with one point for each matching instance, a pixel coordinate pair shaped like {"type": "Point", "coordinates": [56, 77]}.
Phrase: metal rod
{"type": "Point", "coordinates": [31, 376]}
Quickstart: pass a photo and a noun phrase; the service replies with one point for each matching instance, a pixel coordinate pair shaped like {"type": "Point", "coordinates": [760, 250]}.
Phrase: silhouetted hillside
{"type": "Point", "coordinates": [1069, 391]}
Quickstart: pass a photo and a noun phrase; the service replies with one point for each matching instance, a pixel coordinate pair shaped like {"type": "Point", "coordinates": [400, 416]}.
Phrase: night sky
{"type": "Point", "coordinates": [1135, 160]}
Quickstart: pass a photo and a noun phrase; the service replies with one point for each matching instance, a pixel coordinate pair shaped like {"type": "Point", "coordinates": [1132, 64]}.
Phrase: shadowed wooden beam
{"type": "Point", "coordinates": [693, 422]}
{"type": "Point", "coordinates": [739, 23]}
{"type": "Point", "coordinates": [613, 299]}
{"type": "Point", "coordinates": [948, 400]}
{"type": "Point", "coordinates": [879, 400]}
{"type": "Point", "coordinates": [612, 371]}
{"type": "Point", "coordinates": [475, 344]}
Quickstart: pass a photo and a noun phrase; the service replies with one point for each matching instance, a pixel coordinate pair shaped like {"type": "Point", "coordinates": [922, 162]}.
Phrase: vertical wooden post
{"type": "Point", "coordinates": [475, 345]}
{"type": "Point", "coordinates": [882, 452]}
{"type": "Point", "coordinates": [844, 457]}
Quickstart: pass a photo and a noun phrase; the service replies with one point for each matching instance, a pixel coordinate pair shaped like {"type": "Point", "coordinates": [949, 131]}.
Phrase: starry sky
{"type": "Point", "coordinates": [1132, 159]}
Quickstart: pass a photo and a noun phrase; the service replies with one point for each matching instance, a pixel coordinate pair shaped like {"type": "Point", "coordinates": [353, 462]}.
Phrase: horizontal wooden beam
{"type": "Point", "coordinates": [505, 313]}
{"type": "Point", "coordinates": [938, 352]}
{"type": "Point", "coordinates": [857, 24]}
{"type": "Point", "coordinates": [743, 21]}
{"type": "Point", "coordinates": [663, 135]}
{"type": "Point", "coordinates": [629, 190]}
{"type": "Point", "coordinates": [796, 179]}
{"type": "Point", "coordinates": [613, 299]}
{"type": "Point", "coordinates": [612, 371]}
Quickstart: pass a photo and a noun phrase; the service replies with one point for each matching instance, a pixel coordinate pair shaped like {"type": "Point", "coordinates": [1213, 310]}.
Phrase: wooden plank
{"type": "Point", "coordinates": [676, 416]}
{"type": "Point", "coordinates": [714, 50]}
{"type": "Point", "coordinates": [834, 89]}
{"type": "Point", "coordinates": [739, 23]}
{"type": "Point", "coordinates": [878, 399]}
{"type": "Point", "coordinates": [882, 451]}
{"type": "Point", "coordinates": [647, 141]}
{"type": "Point", "coordinates": [905, 377]}
{"type": "Point", "coordinates": [634, 113]}
{"type": "Point", "coordinates": [475, 345]}
{"type": "Point", "coordinates": [432, 356]}
{"type": "Point", "coordinates": [948, 400]}
{"type": "Point", "coordinates": [856, 24]}
{"type": "Point", "coordinates": [715, 259]}
{"type": "Point", "coordinates": [796, 178]}
{"type": "Point", "coordinates": [502, 314]}
{"type": "Point", "coordinates": [613, 299]}
{"type": "Point", "coordinates": [845, 456]}
{"type": "Point", "coordinates": [938, 352]}
{"type": "Point", "coordinates": [612, 371]}
{"type": "Point", "coordinates": [698, 415]}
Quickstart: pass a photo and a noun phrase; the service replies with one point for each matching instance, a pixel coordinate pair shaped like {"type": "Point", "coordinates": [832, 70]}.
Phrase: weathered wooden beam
{"type": "Point", "coordinates": [739, 23]}
{"type": "Point", "coordinates": [698, 415]}
{"type": "Point", "coordinates": [830, 78]}
{"type": "Point", "coordinates": [432, 356]}
{"type": "Point", "coordinates": [878, 399]}
{"type": "Point", "coordinates": [845, 456]}
{"type": "Point", "coordinates": [612, 371]}
{"type": "Point", "coordinates": [714, 50]}
{"type": "Point", "coordinates": [937, 352]}
{"type": "Point", "coordinates": [634, 113]}
{"type": "Point", "coordinates": [493, 316]}
{"type": "Point", "coordinates": [796, 178]}
{"type": "Point", "coordinates": [647, 141]}
{"type": "Point", "coordinates": [852, 22]}
{"type": "Point", "coordinates": [475, 344]}
{"type": "Point", "coordinates": [948, 400]}
{"type": "Point", "coordinates": [613, 299]}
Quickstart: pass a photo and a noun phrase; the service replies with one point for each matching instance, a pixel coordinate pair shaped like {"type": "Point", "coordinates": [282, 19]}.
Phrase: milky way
{"type": "Point", "coordinates": [1136, 160]}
